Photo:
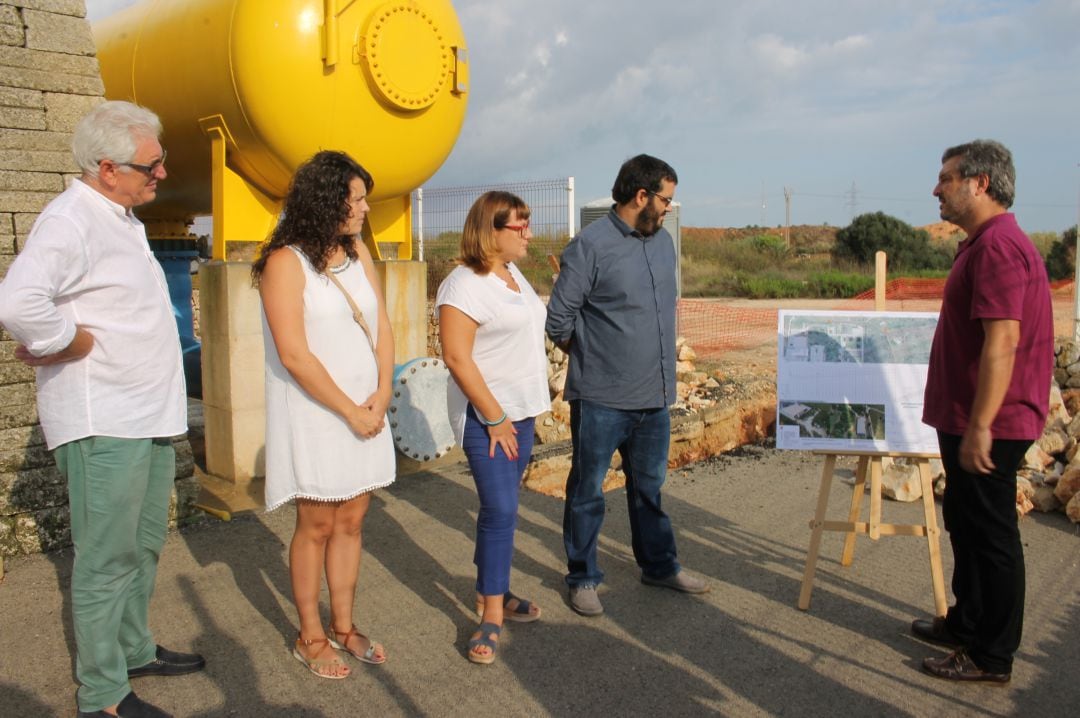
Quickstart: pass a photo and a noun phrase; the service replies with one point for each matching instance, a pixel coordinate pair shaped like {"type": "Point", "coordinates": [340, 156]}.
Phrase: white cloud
{"type": "Point", "coordinates": [98, 9]}
{"type": "Point", "coordinates": [771, 50]}
{"type": "Point", "coordinates": [814, 94]}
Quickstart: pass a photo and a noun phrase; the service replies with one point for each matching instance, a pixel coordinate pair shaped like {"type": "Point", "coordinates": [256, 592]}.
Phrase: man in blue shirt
{"type": "Point", "coordinates": [613, 311]}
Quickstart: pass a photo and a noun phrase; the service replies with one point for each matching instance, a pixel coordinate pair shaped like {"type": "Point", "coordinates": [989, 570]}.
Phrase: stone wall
{"type": "Point", "coordinates": [49, 78]}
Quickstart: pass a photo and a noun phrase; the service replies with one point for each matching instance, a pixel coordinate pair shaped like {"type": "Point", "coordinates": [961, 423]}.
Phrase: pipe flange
{"type": "Point", "coordinates": [407, 55]}
{"type": "Point", "coordinates": [417, 413]}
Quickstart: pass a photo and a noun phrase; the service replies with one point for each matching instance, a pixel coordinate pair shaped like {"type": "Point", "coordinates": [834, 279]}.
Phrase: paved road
{"type": "Point", "coordinates": [742, 650]}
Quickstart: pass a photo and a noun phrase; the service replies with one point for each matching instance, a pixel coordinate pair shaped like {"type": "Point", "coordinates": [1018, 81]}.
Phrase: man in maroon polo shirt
{"type": "Point", "coordinates": [987, 394]}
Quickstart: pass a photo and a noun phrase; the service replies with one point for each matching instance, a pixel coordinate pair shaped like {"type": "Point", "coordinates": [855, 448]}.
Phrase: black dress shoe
{"type": "Point", "coordinates": [131, 707]}
{"type": "Point", "coordinates": [169, 663]}
{"type": "Point", "coordinates": [958, 666]}
{"type": "Point", "coordinates": [936, 631]}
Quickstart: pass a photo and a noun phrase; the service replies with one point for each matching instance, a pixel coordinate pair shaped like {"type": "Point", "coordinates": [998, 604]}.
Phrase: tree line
{"type": "Point", "coordinates": [912, 250]}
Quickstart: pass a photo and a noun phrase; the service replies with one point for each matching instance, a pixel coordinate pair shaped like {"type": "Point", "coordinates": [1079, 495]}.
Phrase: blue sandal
{"type": "Point", "coordinates": [520, 613]}
{"type": "Point", "coordinates": [486, 629]}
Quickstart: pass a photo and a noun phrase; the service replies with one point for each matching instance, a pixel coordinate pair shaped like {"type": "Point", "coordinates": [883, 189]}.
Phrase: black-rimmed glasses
{"type": "Point", "coordinates": [149, 169]}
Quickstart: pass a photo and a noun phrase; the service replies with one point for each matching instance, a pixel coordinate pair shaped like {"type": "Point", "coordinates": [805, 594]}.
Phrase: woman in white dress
{"type": "Point", "coordinates": [491, 324]}
{"type": "Point", "coordinates": [328, 383]}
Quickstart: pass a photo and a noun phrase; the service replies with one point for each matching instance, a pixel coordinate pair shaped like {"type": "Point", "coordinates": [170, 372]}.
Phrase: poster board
{"type": "Point", "coordinates": [853, 381]}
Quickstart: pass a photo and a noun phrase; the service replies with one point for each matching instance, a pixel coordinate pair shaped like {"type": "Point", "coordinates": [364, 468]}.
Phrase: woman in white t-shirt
{"type": "Point", "coordinates": [491, 324]}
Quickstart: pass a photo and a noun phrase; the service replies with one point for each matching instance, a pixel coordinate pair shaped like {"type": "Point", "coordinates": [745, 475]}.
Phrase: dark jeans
{"type": "Point", "coordinates": [988, 571]}
{"type": "Point", "coordinates": [642, 438]}
{"type": "Point", "coordinates": [498, 481]}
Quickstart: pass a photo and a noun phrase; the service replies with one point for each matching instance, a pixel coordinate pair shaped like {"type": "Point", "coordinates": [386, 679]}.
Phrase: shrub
{"type": "Point", "coordinates": [1061, 259]}
{"type": "Point", "coordinates": [908, 248]}
{"type": "Point", "coordinates": [1043, 241]}
{"type": "Point", "coordinates": [770, 245]}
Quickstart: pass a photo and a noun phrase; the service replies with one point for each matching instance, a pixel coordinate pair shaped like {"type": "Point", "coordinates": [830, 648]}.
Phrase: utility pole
{"type": "Point", "coordinates": [853, 199]}
{"type": "Point", "coordinates": [1076, 276]}
{"type": "Point", "coordinates": [787, 217]}
{"type": "Point", "coordinates": [762, 203]}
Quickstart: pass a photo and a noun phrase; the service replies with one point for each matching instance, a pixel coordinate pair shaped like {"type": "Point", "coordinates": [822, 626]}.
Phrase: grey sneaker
{"type": "Point", "coordinates": [681, 581]}
{"type": "Point", "coordinates": [584, 600]}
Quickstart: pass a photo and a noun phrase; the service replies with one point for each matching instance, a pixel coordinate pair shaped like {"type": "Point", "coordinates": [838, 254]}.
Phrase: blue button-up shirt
{"type": "Point", "coordinates": [614, 305]}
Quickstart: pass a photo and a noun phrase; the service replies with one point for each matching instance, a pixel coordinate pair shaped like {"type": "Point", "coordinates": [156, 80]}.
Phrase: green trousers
{"type": "Point", "coordinates": [118, 490]}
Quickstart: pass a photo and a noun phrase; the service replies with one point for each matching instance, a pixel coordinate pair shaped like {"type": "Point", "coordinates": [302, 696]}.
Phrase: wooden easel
{"type": "Point", "coordinates": [870, 464]}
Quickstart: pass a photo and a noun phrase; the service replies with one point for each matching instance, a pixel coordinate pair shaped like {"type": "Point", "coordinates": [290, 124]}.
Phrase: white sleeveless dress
{"type": "Point", "coordinates": [311, 452]}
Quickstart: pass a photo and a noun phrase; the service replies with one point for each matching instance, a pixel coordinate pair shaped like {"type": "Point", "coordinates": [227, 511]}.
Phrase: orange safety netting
{"type": "Point", "coordinates": [714, 327]}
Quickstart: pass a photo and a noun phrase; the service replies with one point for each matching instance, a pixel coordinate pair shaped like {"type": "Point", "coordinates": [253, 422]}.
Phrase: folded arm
{"type": "Point", "coordinates": [50, 266]}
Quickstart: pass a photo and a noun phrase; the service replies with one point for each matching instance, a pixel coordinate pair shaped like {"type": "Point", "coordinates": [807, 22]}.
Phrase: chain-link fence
{"type": "Point", "coordinates": [439, 215]}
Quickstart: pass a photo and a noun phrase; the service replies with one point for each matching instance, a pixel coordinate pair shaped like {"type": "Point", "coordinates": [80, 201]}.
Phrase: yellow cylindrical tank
{"type": "Point", "coordinates": [279, 80]}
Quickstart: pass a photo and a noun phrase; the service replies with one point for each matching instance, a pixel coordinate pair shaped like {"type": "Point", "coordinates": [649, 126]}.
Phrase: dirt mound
{"type": "Point", "coordinates": [944, 232]}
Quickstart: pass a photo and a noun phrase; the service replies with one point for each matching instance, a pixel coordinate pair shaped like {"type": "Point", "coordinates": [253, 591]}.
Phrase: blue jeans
{"type": "Point", "coordinates": [642, 438]}
{"type": "Point", "coordinates": [498, 481]}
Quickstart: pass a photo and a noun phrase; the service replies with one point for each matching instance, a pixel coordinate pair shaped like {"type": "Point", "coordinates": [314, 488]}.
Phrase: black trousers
{"type": "Point", "coordinates": [988, 571]}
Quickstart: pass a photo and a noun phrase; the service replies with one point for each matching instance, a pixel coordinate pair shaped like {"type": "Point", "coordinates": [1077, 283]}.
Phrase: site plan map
{"type": "Point", "coordinates": [853, 381]}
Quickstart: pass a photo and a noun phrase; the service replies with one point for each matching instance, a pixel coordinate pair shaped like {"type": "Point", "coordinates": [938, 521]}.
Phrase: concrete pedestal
{"type": "Point", "coordinates": [233, 370]}
{"type": "Point", "coordinates": [404, 285]}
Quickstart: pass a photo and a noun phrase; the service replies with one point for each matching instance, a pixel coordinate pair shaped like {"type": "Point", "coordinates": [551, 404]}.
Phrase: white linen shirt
{"type": "Point", "coordinates": [87, 262]}
{"type": "Point", "coordinates": [509, 344]}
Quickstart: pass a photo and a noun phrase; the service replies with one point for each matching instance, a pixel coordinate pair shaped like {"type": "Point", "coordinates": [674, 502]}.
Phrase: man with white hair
{"type": "Point", "coordinates": [89, 306]}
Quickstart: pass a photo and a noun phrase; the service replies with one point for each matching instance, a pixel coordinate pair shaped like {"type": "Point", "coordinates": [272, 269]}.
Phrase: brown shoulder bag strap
{"type": "Point", "coordinates": [357, 315]}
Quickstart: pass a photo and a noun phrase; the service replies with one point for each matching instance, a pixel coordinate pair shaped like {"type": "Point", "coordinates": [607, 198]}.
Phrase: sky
{"type": "Point", "coordinates": [847, 103]}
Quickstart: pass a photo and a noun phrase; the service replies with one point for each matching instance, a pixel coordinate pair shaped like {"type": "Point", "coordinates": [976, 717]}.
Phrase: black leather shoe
{"type": "Point", "coordinates": [958, 666]}
{"type": "Point", "coordinates": [169, 663]}
{"type": "Point", "coordinates": [936, 631]}
{"type": "Point", "coordinates": [131, 707]}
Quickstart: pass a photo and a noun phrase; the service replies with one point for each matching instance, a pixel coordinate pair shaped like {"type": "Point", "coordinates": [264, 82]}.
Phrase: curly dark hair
{"type": "Point", "coordinates": [315, 208]}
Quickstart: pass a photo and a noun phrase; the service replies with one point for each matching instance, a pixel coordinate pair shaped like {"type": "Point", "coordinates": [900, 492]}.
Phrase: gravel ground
{"type": "Point", "coordinates": [743, 649]}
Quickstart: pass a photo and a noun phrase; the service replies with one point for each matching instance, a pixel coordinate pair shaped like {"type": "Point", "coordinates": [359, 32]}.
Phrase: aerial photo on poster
{"type": "Point", "coordinates": [853, 381]}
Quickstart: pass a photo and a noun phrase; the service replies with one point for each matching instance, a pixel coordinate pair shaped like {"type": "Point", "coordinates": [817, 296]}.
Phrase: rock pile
{"type": "Point", "coordinates": [1050, 477]}
{"type": "Point", "coordinates": [694, 390]}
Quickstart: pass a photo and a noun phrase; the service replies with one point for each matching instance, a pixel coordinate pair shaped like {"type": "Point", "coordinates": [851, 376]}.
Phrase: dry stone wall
{"type": "Point", "coordinates": [49, 78]}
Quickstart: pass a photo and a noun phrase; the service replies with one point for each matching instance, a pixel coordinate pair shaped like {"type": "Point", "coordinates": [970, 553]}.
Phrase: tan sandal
{"type": "Point", "coordinates": [320, 666]}
{"type": "Point", "coordinates": [367, 656]}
